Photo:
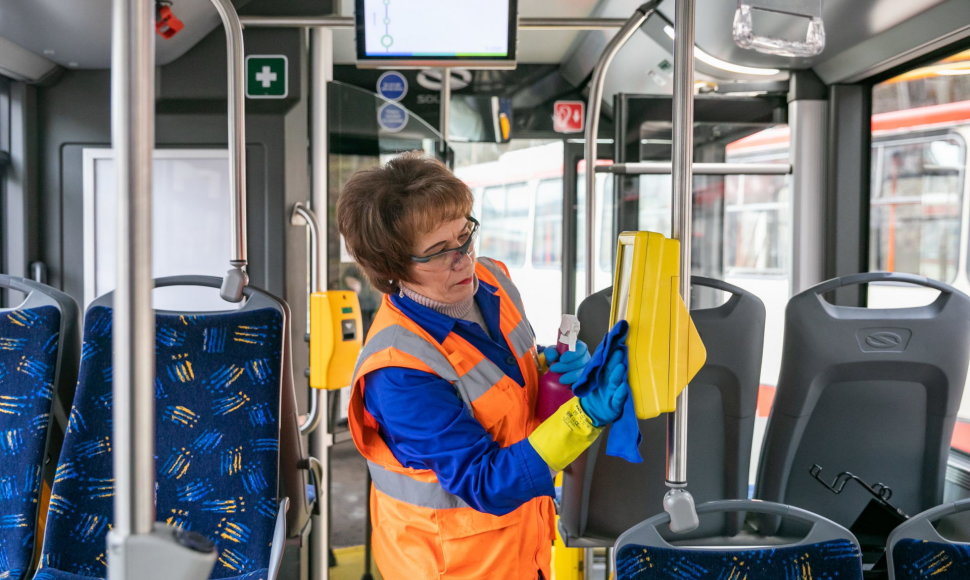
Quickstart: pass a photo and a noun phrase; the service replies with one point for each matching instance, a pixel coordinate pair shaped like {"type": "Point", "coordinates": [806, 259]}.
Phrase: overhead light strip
{"type": "Point", "coordinates": [723, 64]}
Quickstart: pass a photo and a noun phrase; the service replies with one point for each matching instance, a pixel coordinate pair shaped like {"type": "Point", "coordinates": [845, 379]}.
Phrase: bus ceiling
{"type": "Point", "coordinates": [863, 38]}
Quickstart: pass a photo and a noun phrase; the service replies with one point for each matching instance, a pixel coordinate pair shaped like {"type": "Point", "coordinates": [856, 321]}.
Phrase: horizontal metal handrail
{"type": "Point", "coordinates": [665, 168]}
{"type": "Point", "coordinates": [338, 22]}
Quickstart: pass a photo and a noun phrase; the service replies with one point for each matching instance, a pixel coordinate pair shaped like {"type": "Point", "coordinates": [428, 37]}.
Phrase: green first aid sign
{"type": "Point", "coordinates": [266, 76]}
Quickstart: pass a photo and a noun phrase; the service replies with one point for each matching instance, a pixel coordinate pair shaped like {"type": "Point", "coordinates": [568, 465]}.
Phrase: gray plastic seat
{"type": "Point", "coordinates": [826, 550]}
{"type": "Point", "coordinates": [873, 392]}
{"type": "Point", "coordinates": [602, 496]}
{"type": "Point", "coordinates": [917, 550]}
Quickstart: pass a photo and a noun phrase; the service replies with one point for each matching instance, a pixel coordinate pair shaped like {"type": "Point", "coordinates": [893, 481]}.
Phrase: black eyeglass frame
{"type": "Point", "coordinates": [463, 249]}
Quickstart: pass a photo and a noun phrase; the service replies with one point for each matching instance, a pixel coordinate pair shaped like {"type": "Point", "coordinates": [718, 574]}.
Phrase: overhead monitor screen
{"type": "Point", "coordinates": [423, 33]}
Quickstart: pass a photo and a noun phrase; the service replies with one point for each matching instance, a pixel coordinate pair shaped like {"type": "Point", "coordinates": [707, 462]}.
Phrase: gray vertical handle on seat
{"type": "Point", "coordinates": [236, 278]}
{"type": "Point", "coordinates": [823, 529]}
{"type": "Point", "coordinates": [37, 294]}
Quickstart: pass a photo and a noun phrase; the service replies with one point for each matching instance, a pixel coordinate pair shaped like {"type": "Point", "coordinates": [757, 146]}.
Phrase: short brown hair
{"type": "Point", "coordinates": [381, 212]}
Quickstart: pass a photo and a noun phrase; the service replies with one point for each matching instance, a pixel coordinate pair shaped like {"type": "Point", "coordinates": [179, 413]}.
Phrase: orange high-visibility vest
{"type": "Point", "coordinates": [419, 529]}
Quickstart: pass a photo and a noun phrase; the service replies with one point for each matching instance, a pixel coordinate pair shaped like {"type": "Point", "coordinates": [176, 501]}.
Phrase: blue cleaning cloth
{"type": "Point", "coordinates": [624, 439]}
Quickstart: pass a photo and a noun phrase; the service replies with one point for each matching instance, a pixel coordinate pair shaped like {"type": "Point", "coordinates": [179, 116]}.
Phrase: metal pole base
{"type": "Point", "coordinates": [679, 503]}
{"type": "Point", "coordinates": [167, 552]}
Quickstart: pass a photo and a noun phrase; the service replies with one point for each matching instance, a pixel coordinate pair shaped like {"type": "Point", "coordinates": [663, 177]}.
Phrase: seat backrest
{"type": "Point", "coordinates": [870, 391]}
{"type": "Point", "coordinates": [219, 397]}
{"type": "Point", "coordinates": [827, 550]}
{"type": "Point", "coordinates": [917, 550]}
{"type": "Point", "coordinates": [38, 367]}
{"type": "Point", "coordinates": [602, 495]}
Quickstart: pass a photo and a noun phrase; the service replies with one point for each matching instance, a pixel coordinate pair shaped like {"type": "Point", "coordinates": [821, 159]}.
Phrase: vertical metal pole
{"type": "Point", "coordinates": [236, 278]}
{"type": "Point", "coordinates": [683, 159]}
{"type": "Point", "coordinates": [133, 409]}
{"type": "Point", "coordinates": [808, 138]}
{"type": "Point", "coordinates": [444, 109]}
{"type": "Point", "coordinates": [321, 73]}
{"type": "Point", "coordinates": [594, 104]}
{"type": "Point", "coordinates": [237, 127]}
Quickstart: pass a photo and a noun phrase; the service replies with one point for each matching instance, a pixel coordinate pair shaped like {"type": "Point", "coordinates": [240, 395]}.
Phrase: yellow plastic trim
{"type": "Point", "coordinates": [567, 563]}
{"type": "Point", "coordinates": [564, 435]}
{"type": "Point", "coordinates": [335, 338]}
{"type": "Point", "coordinates": [664, 347]}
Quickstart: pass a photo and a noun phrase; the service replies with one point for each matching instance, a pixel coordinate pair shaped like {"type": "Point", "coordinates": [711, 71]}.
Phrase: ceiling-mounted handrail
{"type": "Point", "coordinates": [236, 278]}
{"type": "Point", "coordinates": [594, 105]}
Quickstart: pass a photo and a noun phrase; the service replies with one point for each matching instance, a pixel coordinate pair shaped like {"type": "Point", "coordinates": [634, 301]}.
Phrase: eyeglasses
{"type": "Point", "coordinates": [446, 259]}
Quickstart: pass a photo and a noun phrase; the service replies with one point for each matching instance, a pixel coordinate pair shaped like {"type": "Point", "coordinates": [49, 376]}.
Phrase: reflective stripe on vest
{"type": "Point", "coordinates": [408, 342]}
{"type": "Point", "coordinates": [427, 494]}
{"type": "Point", "coordinates": [521, 337]}
{"type": "Point", "coordinates": [473, 384]}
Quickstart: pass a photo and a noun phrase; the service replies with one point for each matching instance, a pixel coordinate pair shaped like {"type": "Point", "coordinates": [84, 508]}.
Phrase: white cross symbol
{"type": "Point", "coordinates": [266, 76]}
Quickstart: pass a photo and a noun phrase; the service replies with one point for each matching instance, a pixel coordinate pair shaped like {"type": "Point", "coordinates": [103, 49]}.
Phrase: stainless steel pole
{"type": "Point", "coordinates": [593, 107]}
{"type": "Point", "coordinates": [678, 501]}
{"type": "Point", "coordinates": [682, 177]}
{"type": "Point", "coordinates": [133, 138]}
{"type": "Point", "coordinates": [663, 168]}
{"type": "Point", "coordinates": [444, 107]}
{"type": "Point", "coordinates": [236, 278]}
{"type": "Point", "coordinates": [321, 73]}
{"type": "Point", "coordinates": [808, 137]}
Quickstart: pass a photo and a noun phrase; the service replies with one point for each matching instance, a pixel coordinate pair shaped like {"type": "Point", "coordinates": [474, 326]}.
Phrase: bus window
{"type": "Point", "coordinates": [547, 235]}
{"type": "Point", "coordinates": [919, 181]}
{"type": "Point", "coordinates": [505, 223]}
{"type": "Point", "coordinates": [655, 203]}
{"type": "Point", "coordinates": [756, 229]}
{"type": "Point", "coordinates": [606, 244]}
{"type": "Point", "coordinates": [916, 203]}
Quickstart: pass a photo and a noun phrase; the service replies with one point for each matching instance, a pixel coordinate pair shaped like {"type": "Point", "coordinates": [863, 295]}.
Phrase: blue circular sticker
{"type": "Point", "coordinates": [392, 117]}
{"type": "Point", "coordinates": [392, 85]}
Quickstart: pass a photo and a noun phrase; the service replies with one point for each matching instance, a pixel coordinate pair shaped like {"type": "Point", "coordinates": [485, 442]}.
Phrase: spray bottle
{"type": "Point", "coordinates": [552, 393]}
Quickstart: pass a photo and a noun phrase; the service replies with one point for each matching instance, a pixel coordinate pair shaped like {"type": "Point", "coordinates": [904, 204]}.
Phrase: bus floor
{"type": "Point", "coordinates": [348, 515]}
{"type": "Point", "coordinates": [348, 510]}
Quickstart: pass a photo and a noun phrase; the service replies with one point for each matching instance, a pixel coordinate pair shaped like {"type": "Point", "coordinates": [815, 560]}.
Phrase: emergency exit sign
{"type": "Point", "coordinates": [266, 76]}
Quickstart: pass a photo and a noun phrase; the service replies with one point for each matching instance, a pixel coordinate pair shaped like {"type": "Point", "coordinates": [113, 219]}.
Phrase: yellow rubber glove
{"type": "Point", "coordinates": [561, 438]}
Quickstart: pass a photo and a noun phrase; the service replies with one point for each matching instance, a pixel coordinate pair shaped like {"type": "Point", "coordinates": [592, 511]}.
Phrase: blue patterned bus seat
{"type": "Point", "coordinates": [29, 339]}
{"type": "Point", "coordinates": [217, 440]}
{"type": "Point", "coordinates": [831, 560]}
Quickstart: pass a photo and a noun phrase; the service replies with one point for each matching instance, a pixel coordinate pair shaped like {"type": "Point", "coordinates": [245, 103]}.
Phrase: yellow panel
{"type": "Point", "coordinates": [335, 338]}
{"type": "Point", "coordinates": [665, 349]}
{"type": "Point", "coordinates": [567, 563]}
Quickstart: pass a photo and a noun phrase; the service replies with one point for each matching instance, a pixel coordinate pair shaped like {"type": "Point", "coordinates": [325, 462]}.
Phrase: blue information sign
{"type": "Point", "coordinates": [392, 85]}
{"type": "Point", "coordinates": [392, 117]}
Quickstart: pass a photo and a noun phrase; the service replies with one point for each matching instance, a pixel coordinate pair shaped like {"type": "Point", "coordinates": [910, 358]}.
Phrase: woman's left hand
{"type": "Point", "coordinates": [569, 364]}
